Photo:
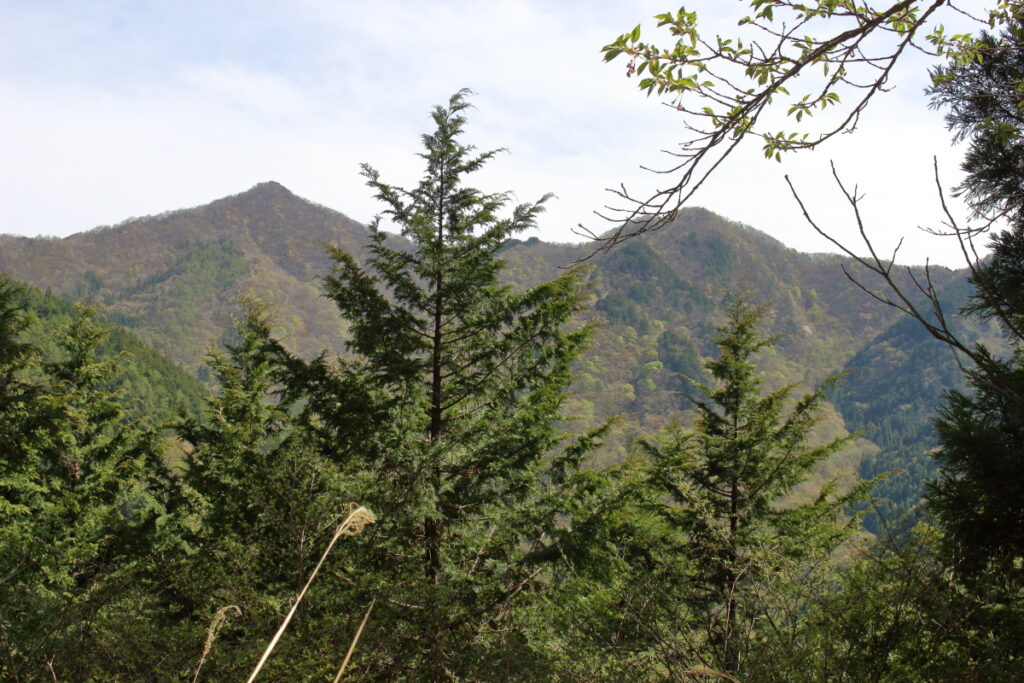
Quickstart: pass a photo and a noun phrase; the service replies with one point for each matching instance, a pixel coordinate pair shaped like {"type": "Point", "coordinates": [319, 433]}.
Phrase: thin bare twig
{"type": "Point", "coordinates": [898, 299]}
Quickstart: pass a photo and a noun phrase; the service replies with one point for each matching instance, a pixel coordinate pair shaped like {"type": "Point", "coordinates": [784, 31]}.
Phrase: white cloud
{"type": "Point", "coordinates": [116, 109]}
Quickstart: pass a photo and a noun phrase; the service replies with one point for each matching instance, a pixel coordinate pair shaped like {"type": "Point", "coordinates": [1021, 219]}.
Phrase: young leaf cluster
{"type": "Point", "coordinates": [794, 58]}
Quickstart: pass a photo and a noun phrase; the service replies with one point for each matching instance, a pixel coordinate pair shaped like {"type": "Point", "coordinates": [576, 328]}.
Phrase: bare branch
{"type": "Point", "coordinates": [728, 110]}
{"type": "Point", "coordinates": [892, 294]}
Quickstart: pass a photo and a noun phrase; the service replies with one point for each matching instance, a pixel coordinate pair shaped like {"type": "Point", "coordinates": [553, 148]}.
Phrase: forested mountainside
{"type": "Point", "coordinates": [153, 387]}
{"type": "Point", "coordinates": [255, 440]}
{"type": "Point", "coordinates": [889, 392]}
{"type": "Point", "coordinates": [471, 410]}
{"type": "Point", "coordinates": [174, 281]}
{"type": "Point", "coordinates": [175, 278]}
{"type": "Point", "coordinates": [661, 305]}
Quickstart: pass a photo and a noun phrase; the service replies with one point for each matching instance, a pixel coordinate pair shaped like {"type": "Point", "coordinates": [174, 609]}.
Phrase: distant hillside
{"type": "Point", "coordinates": [174, 280]}
{"type": "Point", "coordinates": [156, 388]}
{"type": "Point", "coordinates": [891, 390]}
{"type": "Point", "coordinates": [661, 297]}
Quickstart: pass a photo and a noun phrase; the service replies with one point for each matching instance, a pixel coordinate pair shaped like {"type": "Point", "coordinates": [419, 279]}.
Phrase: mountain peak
{"type": "Point", "coordinates": [269, 188]}
{"type": "Point", "coordinates": [260, 197]}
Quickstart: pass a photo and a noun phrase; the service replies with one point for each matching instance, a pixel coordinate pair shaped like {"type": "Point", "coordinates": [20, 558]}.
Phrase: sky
{"type": "Point", "coordinates": [111, 109]}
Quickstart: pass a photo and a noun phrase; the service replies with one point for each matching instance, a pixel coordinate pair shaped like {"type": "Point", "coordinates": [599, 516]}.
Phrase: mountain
{"type": "Point", "coordinates": [154, 387]}
{"type": "Point", "coordinates": [891, 390]}
{"type": "Point", "coordinates": [174, 281]}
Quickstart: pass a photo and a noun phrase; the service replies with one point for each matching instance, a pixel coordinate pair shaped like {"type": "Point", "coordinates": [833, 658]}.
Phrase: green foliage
{"type": "Point", "coordinates": [681, 356]}
{"type": "Point", "coordinates": [155, 387]}
{"type": "Point", "coordinates": [944, 603]}
{"type": "Point", "coordinates": [725, 479]}
{"type": "Point", "coordinates": [898, 614]}
{"type": "Point", "coordinates": [638, 279]}
{"type": "Point", "coordinates": [254, 507]}
{"type": "Point", "coordinates": [975, 495]}
{"type": "Point", "coordinates": [446, 421]}
{"type": "Point", "coordinates": [983, 102]}
{"type": "Point", "coordinates": [75, 516]}
{"type": "Point", "coordinates": [264, 242]}
{"type": "Point", "coordinates": [502, 552]}
{"type": "Point", "coordinates": [980, 429]}
{"type": "Point", "coordinates": [692, 560]}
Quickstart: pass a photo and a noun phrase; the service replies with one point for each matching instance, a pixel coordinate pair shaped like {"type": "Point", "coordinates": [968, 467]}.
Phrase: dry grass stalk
{"type": "Point", "coordinates": [707, 671]}
{"type": "Point", "coordinates": [211, 634]}
{"type": "Point", "coordinates": [353, 524]}
{"type": "Point", "coordinates": [355, 640]}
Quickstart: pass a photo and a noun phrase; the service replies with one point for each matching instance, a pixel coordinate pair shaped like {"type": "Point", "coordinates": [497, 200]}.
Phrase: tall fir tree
{"type": "Point", "coordinates": [726, 481]}
{"type": "Point", "coordinates": [447, 419]}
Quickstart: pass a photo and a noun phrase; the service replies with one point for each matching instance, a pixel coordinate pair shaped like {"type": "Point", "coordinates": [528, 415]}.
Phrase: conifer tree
{"type": "Point", "coordinates": [14, 356]}
{"type": "Point", "coordinates": [16, 483]}
{"type": "Point", "coordinates": [726, 480]}
{"type": "Point", "coordinates": [447, 418]}
{"type": "Point", "coordinates": [976, 496]}
{"type": "Point", "coordinates": [75, 515]}
{"type": "Point", "coordinates": [256, 505]}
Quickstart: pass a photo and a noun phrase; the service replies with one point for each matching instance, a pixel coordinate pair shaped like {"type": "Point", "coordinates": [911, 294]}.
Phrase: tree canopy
{"type": "Point", "coordinates": [447, 416]}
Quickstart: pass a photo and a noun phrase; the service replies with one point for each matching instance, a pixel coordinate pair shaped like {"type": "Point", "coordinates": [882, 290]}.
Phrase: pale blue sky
{"type": "Point", "coordinates": [111, 109]}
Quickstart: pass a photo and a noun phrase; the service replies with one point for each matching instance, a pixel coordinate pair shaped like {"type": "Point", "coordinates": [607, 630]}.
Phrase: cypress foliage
{"type": "Point", "coordinates": [725, 480]}
{"type": "Point", "coordinates": [976, 495]}
{"type": "Point", "coordinates": [76, 519]}
{"type": "Point", "coordinates": [255, 505]}
{"type": "Point", "coordinates": [983, 102]}
{"type": "Point", "coordinates": [447, 421]}
{"type": "Point", "coordinates": [15, 392]}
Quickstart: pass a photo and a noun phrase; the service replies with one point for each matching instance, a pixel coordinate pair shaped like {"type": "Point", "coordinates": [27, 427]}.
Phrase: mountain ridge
{"type": "Point", "coordinates": [174, 280]}
{"type": "Point", "coordinates": [136, 270]}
